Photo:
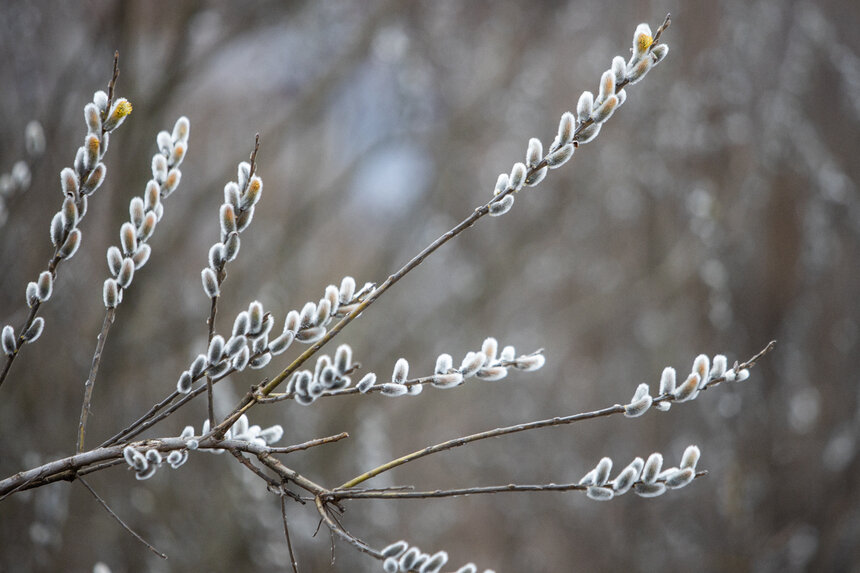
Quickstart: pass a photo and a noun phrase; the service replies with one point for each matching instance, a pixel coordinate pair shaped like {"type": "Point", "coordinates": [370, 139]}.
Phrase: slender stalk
{"type": "Point", "coordinates": [211, 322]}
{"type": "Point", "coordinates": [89, 385]}
{"type": "Point", "coordinates": [509, 488]}
{"type": "Point", "coordinates": [287, 535]}
{"type": "Point", "coordinates": [557, 421]}
{"type": "Point", "coordinates": [343, 534]}
{"type": "Point", "coordinates": [54, 263]}
{"type": "Point", "coordinates": [120, 521]}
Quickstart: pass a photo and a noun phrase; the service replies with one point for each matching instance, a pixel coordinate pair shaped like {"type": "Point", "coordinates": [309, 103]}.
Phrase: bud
{"type": "Point", "coordinates": [607, 85]}
{"type": "Point", "coordinates": [181, 129]}
{"type": "Point", "coordinates": [94, 180]}
{"type": "Point", "coordinates": [517, 177]}
{"type": "Point", "coordinates": [210, 283]}
{"type": "Point", "coordinates": [126, 273]}
{"type": "Point", "coordinates": [70, 246]}
{"type": "Point", "coordinates": [9, 340]}
{"type": "Point", "coordinates": [605, 110]}
{"type": "Point", "coordinates": [642, 40]}
{"type": "Point", "coordinates": [136, 211]}
{"type": "Point", "coordinates": [45, 285]}
{"type": "Point", "coordinates": [120, 110]}
{"type": "Point", "coordinates": [228, 220]}
{"type": "Point", "coordinates": [565, 129]}
{"type": "Point", "coordinates": [128, 239]}
{"type": "Point", "coordinates": [69, 182]}
{"type": "Point", "coordinates": [560, 156]}
{"type": "Point", "coordinates": [92, 147]}
{"type": "Point", "coordinates": [588, 133]}
{"type": "Point", "coordinates": [502, 206]}
{"type": "Point", "coordinates": [110, 293]}
{"type": "Point", "coordinates": [534, 153]}
{"type": "Point", "coordinates": [619, 68]}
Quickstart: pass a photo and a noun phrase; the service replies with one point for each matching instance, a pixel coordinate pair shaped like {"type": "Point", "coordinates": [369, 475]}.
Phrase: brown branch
{"type": "Point", "coordinates": [54, 263]}
{"type": "Point", "coordinates": [342, 533]}
{"type": "Point", "coordinates": [120, 521]}
{"type": "Point", "coordinates": [338, 494]}
{"type": "Point", "coordinates": [89, 385]}
{"type": "Point", "coordinates": [287, 535]}
{"type": "Point", "coordinates": [557, 421]}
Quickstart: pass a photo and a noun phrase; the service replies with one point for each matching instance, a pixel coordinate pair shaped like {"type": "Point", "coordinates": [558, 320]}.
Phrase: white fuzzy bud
{"type": "Point", "coordinates": [401, 371]}
{"type": "Point", "coordinates": [366, 383]}
{"type": "Point", "coordinates": [600, 493]}
{"type": "Point", "coordinates": [518, 176]}
{"type": "Point", "coordinates": [183, 386]}
{"type": "Point", "coordinates": [652, 467]}
{"type": "Point", "coordinates": [565, 129]}
{"type": "Point", "coordinates": [560, 156]}
{"type": "Point", "coordinates": [110, 293]}
{"type": "Point", "coordinates": [502, 206]}
{"type": "Point", "coordinates": [534, 153]}
{"type": "Point", "coordinates": [210, 282]}
{"type": "Point", "coordinates": [390, 389]}
{"type": "Point", "coordinates": [585, 106]}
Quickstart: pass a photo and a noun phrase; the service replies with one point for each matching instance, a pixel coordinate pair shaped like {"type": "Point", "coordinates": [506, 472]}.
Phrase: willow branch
{"type": "Point", "coordinates": [120, 521]}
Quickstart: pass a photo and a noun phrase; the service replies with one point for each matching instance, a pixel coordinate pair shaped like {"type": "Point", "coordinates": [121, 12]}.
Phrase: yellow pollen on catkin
{"type": "Point", "coordinates": [123, 108]}
{"type": "Point", "coordinates": [643, 42]}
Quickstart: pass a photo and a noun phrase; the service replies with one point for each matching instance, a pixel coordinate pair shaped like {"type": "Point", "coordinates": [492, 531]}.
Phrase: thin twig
{"type": "Point", "coordinates": [213, 311]}
{"type": "Point", "coordinates": [257, 471]}
{"type": "Point", "coordinates": [89, 385]}
{"type": "Point", "coordinates": [120, 521]}
{"type": "Point", "coordinates": [250, 399]}
{"type": "Point", "coordinates": [152, 411]}
{"type": "Point", "coordinates": [509, 488]}
{"type": "Point", "coordinates": [557, 421]}
{"type": "Point", "coordinates": [340, 532]}
{"type": "Point", "coordinates": [287, 535]}
{"type": "Point", "coordinates": [56, 259]}
{"type": "Point", "coordinates": [309, 444]}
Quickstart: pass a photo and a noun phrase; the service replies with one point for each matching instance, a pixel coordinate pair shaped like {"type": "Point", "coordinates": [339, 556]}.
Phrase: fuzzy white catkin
{"type": "Point", "coordinates": [502, 206]}
{"type": "Point", "coordinates": [638, 407]}
{"type": "Point", "coordinates": [602, 471]}
{"type": "Point", "coordinates": [624, 481]}
{"type": "Point", "coordinates": [401, 371]}
{"type": "Point", "coordinates": [718, 368]}
{"type": "Point", "coordinates": [9, 340]}
{"type": "Point", "coordinates": [560, 156]}
{"type": "Point", "coordinates": [585, 106]}
{"type": "Point", "coordinates": [680, 478]}
{"type": "Point", "coordinates": [518, 176]}
{"type": "Point", "coordinates": [600, 493]}
{"type": "Point", "coordinates": [366, 383]}
{"type": "Point", "coordinates": [435, 562]}
{"type": "Point", "coordinates": [650, 489]}
{"type": "Point", "coordinates": [444, 363]}
{"type": "Point", "coordinates": [534, 153]}
{"type": "Point", "coordinates": [472, 363]}
{"type": "Point", "coordinates": [690, 457]}
{"type": "Point", "coordinates": [687, 390]}
{"type": "Point", "coordinates": [447, 380]}
{"type": "Point", "coordinates": [347, 290]}
{"type": "Point", "coordinates": [396, 549]}
{"type": "Point", "coordinates": [565, 128]}
{"type": "Point", "coordinates": [652, 467]}
{"type": "Point", "coordinates": [393, 390]}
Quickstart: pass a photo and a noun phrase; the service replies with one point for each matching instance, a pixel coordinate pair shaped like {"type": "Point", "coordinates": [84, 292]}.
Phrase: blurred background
{"type": "Point", "coordinates": [716, 211]}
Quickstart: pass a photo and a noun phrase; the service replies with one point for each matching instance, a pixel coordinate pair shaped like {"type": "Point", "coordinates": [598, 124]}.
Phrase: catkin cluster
{"type": "Point", "coordinates": [145, 212]}
{"type": "Point", "coordinates": [78, 183]}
